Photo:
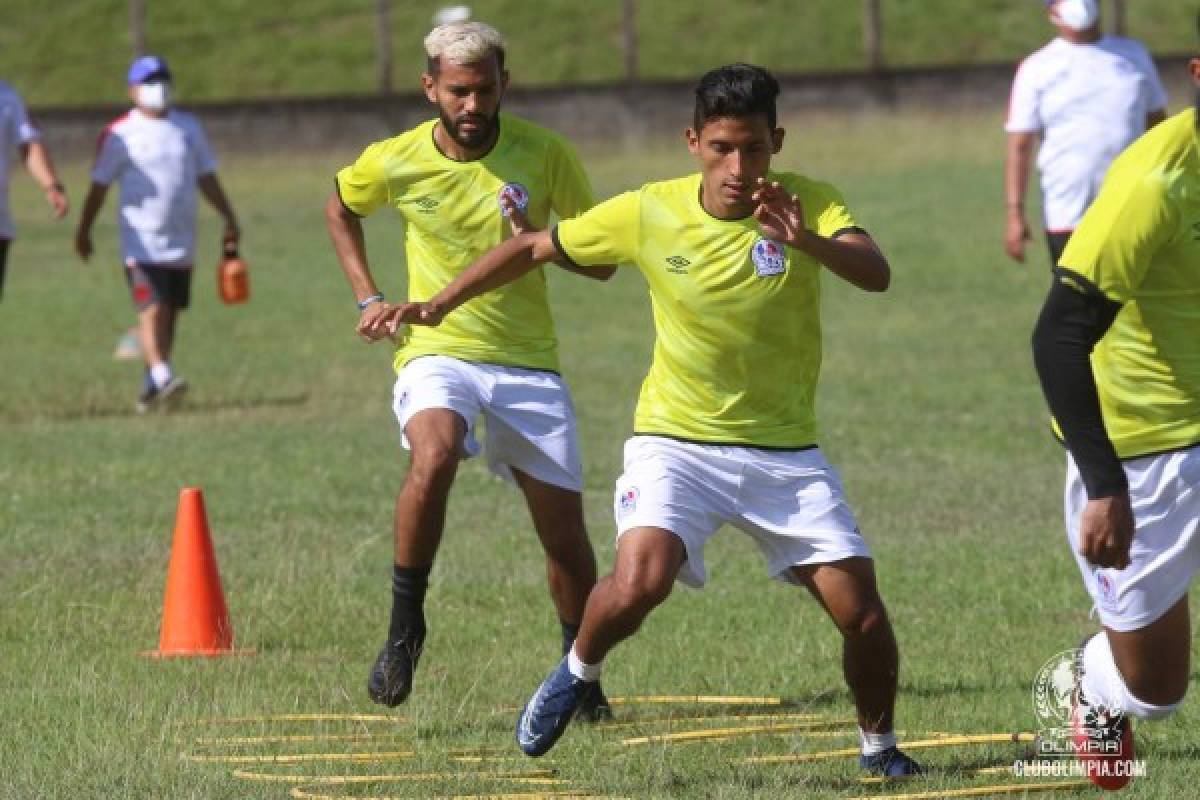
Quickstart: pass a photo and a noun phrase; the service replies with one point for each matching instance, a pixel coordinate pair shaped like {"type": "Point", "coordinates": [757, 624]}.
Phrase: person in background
{"type": "Point", "coordinates": [18, 133]}
{"type": "Point", "coordinates": [1086, 96]}
{"type": "Point", "coordinates": [160, 156]}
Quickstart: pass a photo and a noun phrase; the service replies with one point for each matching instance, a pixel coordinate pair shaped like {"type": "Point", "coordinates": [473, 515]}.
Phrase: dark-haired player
{"type": "Point", "coordinates": [461, 181]}
{"type": "Point", "coordinates": [725, 431]}
{"type": "Point", "coordinates": [1117, 349]}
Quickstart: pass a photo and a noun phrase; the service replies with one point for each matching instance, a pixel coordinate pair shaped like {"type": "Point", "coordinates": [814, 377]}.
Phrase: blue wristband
{"type": "Point", "coordinates": [366, 301]}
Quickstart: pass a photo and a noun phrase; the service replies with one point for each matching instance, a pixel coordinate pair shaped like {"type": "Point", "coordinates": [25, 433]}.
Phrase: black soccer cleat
{"type": "Point", "coordinates": [593, 706]}
{"type": "Point", "coordinates": [391, 678]}
{"type": "Point", "coordinates": [891, 763]}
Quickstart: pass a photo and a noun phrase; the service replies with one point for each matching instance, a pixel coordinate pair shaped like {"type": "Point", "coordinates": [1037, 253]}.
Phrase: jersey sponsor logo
{"type": "Point", "coordinates": [628, 501]}
{"type": "Point", "coordinates": [768, 257]}
{"type": "Point", "coordinates": [425, 205]}
{"type": "Point", "coordinates": [678, 265]}
{"type": "Point", "coordinates": [514, 192]}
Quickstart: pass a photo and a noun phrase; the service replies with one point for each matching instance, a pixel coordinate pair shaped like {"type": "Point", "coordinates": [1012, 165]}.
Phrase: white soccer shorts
{"type": "Point", "coordinates": [790, 502]}
{"type": "Point", "coordinates": [1165, 493]}
{"type": "Point", "coordinates": [529, 420]}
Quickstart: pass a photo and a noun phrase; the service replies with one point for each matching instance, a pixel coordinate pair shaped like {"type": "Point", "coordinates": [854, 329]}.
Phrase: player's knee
{"type": "Point", "coordinates": [642, 586]}
{"type": "Point", "coordinates": [863, 620]}
{"type": "Point", "coordinates": [433, 468]}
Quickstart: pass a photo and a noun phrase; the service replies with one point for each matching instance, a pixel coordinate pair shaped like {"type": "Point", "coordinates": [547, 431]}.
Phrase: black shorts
{"type": "Point", "coordinates": [3, 261]}
{"type": "Point", "coordinates": [151, 285]}
{"type": "Point", "coordinates": [1057, 242]}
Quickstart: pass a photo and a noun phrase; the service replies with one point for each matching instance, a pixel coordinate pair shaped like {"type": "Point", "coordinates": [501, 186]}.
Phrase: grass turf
{"type": "Point", "coordinates": [928, 406]}
{"type": "Point", "coordinates": [225, 49]}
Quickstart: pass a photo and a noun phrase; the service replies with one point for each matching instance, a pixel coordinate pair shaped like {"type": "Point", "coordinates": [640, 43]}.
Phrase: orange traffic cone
{"type": "Point", "coordinates": [195, 621]}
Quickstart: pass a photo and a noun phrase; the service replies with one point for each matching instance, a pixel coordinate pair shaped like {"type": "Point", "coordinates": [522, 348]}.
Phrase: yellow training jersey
{"type": "Point", "coordinates": [737, 315]}
{"type": "Point", "coordinates": [452, 216]}
{"type": "Point", "coordinates": [1139, 244]}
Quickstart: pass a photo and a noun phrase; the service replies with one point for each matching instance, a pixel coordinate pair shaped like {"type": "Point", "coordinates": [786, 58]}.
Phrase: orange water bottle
{"type": "Point", "coordinates": [233, 278]}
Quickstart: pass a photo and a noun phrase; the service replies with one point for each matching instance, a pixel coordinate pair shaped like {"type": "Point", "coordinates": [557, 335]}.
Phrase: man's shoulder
{"type": "Point", "coordinates": [1165, 158]}
{"type": "Point", "coordinates": [184, 119]}
{"type": "Point", "coordinates": [405, 142]}
{"type": "Point", "coordinates": [532, 135]}
{"type": "Point", "coordinates": [1048, 55]}
{"type": "Point", "coordinates": [1124, 46]}
{"type": "Point", "coordinates": [683, 186]}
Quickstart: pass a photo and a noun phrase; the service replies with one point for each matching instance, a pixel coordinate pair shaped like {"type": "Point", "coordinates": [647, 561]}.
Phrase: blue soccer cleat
{"type": "Point", "coordinates": [550, 710]}
{"type": "Point", "coordinates": [891, 763]}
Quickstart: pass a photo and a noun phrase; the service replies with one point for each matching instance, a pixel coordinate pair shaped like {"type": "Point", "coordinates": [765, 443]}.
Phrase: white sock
{"type": "Point", "coordinates": [160, 373]}
{"type": "Point", "coordinates": [585, 672]}
{"type": "Point", "coordinates": [1101, 683]}
{"type": "Point", "coordinates": [875, 743]}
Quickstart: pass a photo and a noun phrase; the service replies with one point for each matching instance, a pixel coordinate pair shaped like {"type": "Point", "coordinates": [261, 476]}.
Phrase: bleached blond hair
{"type": "Point", "coordinates": [463, 43]}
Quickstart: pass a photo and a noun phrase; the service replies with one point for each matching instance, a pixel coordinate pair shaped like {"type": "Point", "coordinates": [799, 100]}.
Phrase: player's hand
{"type": "Point", "coordinates": [83, 245]}
{"type": "Point", "coordinates": [1016, 234]}
{"type": "Point", "coordinates": [429, 314]}
{"type": "Point", "coordinates": [1106, 531]}
{"type": "Point", "coordinates": [56, 196]}
{"type": "Point", "coordinates": [372, 322]}
{"type": "Point", "coordinates": [517, 218]}
{"type": "Point", "coordinates": [779, 214]}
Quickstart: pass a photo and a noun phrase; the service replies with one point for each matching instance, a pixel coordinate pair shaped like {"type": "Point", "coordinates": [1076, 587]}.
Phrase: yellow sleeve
{"type": "Point", "coordinates": [363, 186]}
{"type": "Point", "coordinates": [831, 215]}
{"type": "Point", "coordinates": [571, 192]}
{"type": "Point", "coordinates": [1131, 219]}
{"type": "Point", "coordinates": [607, 234]}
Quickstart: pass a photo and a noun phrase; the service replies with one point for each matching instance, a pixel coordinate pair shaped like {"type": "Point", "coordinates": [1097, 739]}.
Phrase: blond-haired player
{"type": "Point", "coordinates": [463, 182]}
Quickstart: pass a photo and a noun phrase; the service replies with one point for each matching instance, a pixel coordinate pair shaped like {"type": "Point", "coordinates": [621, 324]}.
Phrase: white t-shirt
{"type": "Point", "coordinates": [15, 130]}
{"type": "Point", "coordinates": [157, 161]}
{"type": "Point", "coordinates": [1088, 102]}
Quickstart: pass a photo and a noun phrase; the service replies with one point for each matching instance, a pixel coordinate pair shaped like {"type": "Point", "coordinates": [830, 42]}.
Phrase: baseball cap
{"type": "Point", "coordinates": [148, 68]}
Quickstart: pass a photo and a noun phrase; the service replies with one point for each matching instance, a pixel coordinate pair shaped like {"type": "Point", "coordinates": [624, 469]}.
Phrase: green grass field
{"type": "Point", "coordinates": [224, 49]}
{"type": "Point", "coordinates": [929, 407]}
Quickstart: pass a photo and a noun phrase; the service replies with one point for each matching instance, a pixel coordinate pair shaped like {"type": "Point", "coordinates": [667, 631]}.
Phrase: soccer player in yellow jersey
{"type": "Point", "coordinates": [1117, 349]}
{"type": "Point", "coordinates": [725, 431]}
{"type": "Point", "coordinates": [460, 182]}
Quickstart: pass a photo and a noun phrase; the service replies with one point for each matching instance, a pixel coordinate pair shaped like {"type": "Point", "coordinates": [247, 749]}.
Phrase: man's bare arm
{"type": "Point", "coordinates": [210, 187]}
{"type": "Point", "coordinates": [346, 234]}
{"type": "Point", "coordinates": [1017, 164]}
{"type": "Point", "coordinates": [501, 265]}
{"type": "Point", "coordinates": [91, 207]}
{"type": "Point", "coordinates": [41, 167]}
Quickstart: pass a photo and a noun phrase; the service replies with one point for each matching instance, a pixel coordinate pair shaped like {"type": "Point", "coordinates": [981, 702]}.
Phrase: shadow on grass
{"type": "Point", "coordinates": [189, 407]}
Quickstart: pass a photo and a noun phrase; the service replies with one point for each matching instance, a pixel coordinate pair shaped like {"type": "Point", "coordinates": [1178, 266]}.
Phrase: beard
{"type": "Point", "coordinates": [471, 139]}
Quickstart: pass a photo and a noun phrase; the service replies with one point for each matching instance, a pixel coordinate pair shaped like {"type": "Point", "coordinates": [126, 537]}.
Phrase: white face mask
{"type": "Point", "coordinates": [153, 96]}
{"type": "Point", "coordinates": [1078, 15]}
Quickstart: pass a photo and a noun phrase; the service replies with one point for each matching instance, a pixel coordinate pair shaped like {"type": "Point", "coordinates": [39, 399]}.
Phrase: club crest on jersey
{"type": "Point", "coordinates": [768, 257]}
{"type": "Point", "coordinates": [1108, 591]}
{"type": "Point", "coordinates": [628, 500]}
{"type": "Point", "coordinates": [514, 192]}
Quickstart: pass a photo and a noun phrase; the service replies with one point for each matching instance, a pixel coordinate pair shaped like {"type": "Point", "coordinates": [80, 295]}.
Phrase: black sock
{"type": "Point", "coordinates": [408, 602]}
{"type": "Point", "coordinates": [569, 633]}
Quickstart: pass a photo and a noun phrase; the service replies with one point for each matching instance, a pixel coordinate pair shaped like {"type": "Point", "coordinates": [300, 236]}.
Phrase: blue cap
{"type": "Point", "coordinates": [147, 69]}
